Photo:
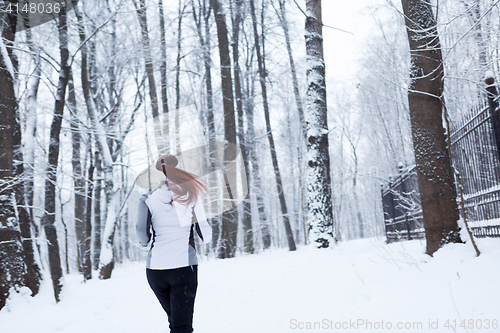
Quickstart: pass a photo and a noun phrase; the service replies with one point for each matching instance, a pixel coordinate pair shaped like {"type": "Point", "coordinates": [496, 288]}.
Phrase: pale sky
{"type": "Point", "coordinates": [342, 50]}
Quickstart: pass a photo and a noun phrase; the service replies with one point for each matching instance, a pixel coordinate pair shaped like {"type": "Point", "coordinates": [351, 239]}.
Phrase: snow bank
{"type": "Point", "coordinates": [347, 288]}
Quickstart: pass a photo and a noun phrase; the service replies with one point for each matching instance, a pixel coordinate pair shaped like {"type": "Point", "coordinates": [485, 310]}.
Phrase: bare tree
{"type": "Point", "coordinates": [11, 248]}
{"type": "Point", "coordinates": [148, 59]}
{"type": "Point", "coordinates": [49, 217]}
{"type": "Point", "coordinates": [425, 97]}
{"type": "Point", "coordinates": [320, 214]}
{"type": "Point", "coordinates": [106, 262]}
{"type": "Point", "coordinates": [97, 244]}
{"type": "Point", "coordinates": [87, 261]}
{"type": "Point", "coordinates": [163, 63]}
{"type": "Point", "coordinates": [237, 20]}
{"type": "Point", "coordinates": [163, 73]}
{"type": "Point", "coordinates": [24, 189]}
{"type": "Point", "coordinates": [229, 227]}
{"type": "Point", "coordinates": [281, 14]}
{"type": "Point", "coordinates": [274, 157]}
{"type": "Point", "coordinates": [179, 57]}
{"type": "Point", "coordinates": [78, 174]}
{"type": "Point", "coordinates": [252, 153]}
{"type": "Point", "coordinates": [203, 16]}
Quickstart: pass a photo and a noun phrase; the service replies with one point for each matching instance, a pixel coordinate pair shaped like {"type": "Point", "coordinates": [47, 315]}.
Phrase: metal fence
{"type": "Point", "coordinates": [475, 155]}
{"type": "Point", "coordinates": [402, 210]}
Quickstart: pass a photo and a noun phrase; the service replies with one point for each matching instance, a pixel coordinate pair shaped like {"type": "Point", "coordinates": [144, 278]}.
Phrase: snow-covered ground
{"type": "Point", "coordinates": [357, 286]}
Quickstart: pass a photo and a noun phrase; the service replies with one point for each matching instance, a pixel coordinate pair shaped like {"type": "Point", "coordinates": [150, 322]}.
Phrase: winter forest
{"type": "Point", "coordinates": [351, 152]}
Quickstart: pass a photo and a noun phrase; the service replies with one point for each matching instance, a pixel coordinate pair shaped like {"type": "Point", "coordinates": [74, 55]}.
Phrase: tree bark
{"type": "Point", "coordinates": [148, 58]}
{"type": "Point", "coordinates": [163, 63]}
{"type": "Point", "coordinates": [279, 185]}
{"type": "Point", "coordinates": [357, 207]}
{"type": "Point", "coordinates": [229, 226]}
{"type": "Point", "coordinates": [124, 219]}
{"type": "Point", "coordinates": [256, 183]}
{"type": "Point", "coordinates": [205, 44]}
{"type": "Point", "coordinates": [97, 211]}
{"type": "Point", "coordinates": [48, 220]}
{"type": "Point", "coordinates": [114, 101]}
{"type": "Point", "coordinates": [300, 109]}
{"type": "Point", "coordinates": [319, 201]}
{"type": "Point", "coordinates": [177, 144]}
{"type": "Point", "coordinates": [78, 176]}
{"type": "Point", "coordinates": [247, 208]}
{"type": "Point", "coordinates": [87, 262]}
{"type": "Point", "coordinates": [106, 260]}
{"type": "Point", "coordinates": [34, 276]}
{"type": "Point", "coordinates": [12, 267]}
{"type": "Point", "coordinates": [208, 71]}
{"type": "Point", "coordinates": [163, 79]}
{"type": "Point", "coordinates": [425, 97]}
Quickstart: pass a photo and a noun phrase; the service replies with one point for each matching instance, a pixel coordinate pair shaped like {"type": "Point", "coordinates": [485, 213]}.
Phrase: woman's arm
{"type": "Point", "coordinates": [143, 225]}
{"type": "Point", "coordinates": [205, 229]}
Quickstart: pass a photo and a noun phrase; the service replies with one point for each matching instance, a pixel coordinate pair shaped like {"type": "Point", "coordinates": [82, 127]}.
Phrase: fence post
{"type": "Point", "coordinates": [408, 228]}
{"type": "Point", "coordinates": [383, 208]}
{"type": "Point", "coordinates": [403, 196]}
{"type": "Point", "coordinates": [493, 103]}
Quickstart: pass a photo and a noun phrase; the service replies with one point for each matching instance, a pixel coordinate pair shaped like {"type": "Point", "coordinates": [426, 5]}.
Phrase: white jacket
{"type": "Point", "coordinates": [171, 225]}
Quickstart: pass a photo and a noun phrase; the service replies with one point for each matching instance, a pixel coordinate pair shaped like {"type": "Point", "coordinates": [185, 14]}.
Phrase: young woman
{"type": "Point", "coordinates": [172, 267]}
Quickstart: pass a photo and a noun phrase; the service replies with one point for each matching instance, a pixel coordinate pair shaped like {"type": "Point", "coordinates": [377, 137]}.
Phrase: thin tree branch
{"type": "Point", "coordinates": [326, 26]}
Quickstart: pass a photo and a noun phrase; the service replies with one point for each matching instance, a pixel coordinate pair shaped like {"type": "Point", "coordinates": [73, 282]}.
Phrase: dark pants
{"type": "Point", "coordinates": [176, 290]}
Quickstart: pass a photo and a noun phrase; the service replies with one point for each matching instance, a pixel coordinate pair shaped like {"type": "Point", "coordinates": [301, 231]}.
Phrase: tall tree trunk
{"type": "Point", "coordinates": [319, 202]}
{"type": "Point", "coordinates": [255, 179]}
{"type": "Point", "coordinates": [177, 79]}
{"type": "Point", "coordinates": [106, 260]}
{"type": "Point", "coordinates": [284, 24]}
{"type": "Point", "coordinates": [163, 63]}
{"type": "Point", "coordinates": [48, 220]}
{"type": "Point", "coordinates": [34, 275]}
{"type": "Point", "coordinates": [124, 218]}
{"type": "Point", "coordinates": [229, 226]}
{"type": "Point", "coordinates": [300, 109]}
{"type": "Point", "coordinates": [148, 59]}
{"type": "Point", "coordinates": [12, 267]}
{"type": "Point", "coordinates": [112, 118]}
{"type": "Point", "coordinates": [11, 259]}
{"type": "Point", "coordinates": [65, 227]}
{"type": "Point", "coordinates": [247, 208]}
{"type": "Point", "coordinates": [203, 15]}
{"type": "Point", "coordinates": [143, 21]}
{"type": "Point", "coordinates": [216, 221]}
{"type": "Point", "coordinates": [78, 176]}
{"type": "Point", "coordinates": [279, 184]}
{"type": "Point", "coordinates": [163, 73]}
{"type": "Point", "coordinates": [29, 145]}
{"type": "Point", "coordinates": [425, 97]}
{"type": "Point", "coordinates": [357, 208]}
{"type": "Point", "coordinates": [24, 189]}
{"type": "Point", "coordinates": [87, 262]}
{"type": "Point", "coordinates": [208, 72]}
{"type": "Point", "coordinates": [97, 211]}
